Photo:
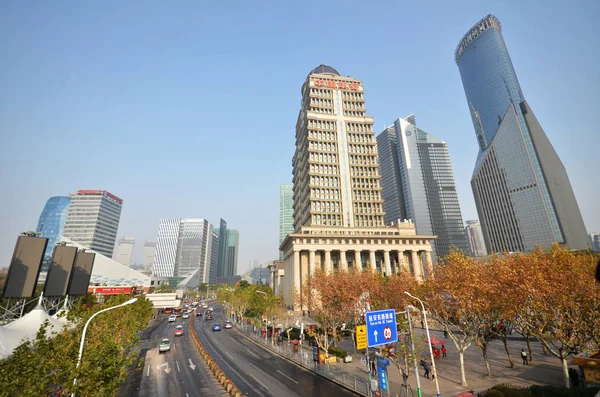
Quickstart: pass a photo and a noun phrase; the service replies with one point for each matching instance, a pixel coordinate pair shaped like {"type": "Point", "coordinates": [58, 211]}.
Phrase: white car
{"type": "Point", "coordinates": [172, 318]}
{"type": "Point", "coordinates": [185, 315]}
{"type": "Point", "coordinates": [165, 345]}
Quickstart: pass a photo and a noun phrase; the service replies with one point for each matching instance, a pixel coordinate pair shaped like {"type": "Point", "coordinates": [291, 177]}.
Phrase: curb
{"type": "Point", "coordinates": [220, 376]}
{"type": "Point", "coordinates": [301, 366]}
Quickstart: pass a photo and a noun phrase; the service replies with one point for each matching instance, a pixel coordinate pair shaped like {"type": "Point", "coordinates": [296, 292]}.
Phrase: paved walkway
{"type": "Point", "coordinates": [545, 370]}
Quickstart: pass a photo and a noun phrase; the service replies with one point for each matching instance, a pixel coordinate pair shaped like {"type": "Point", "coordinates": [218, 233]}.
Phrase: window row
{"type": "Point", "coordinates": [353, 105]}
{"type": "Point", "coordinates": [326, 220]}
{"type": "Point", "coordinates": [323, 146]}
{"type": "Point", "coordinates": [324, 169]}
{"type": "Point", "coordinates": [361, 171]}
{"type": "Point", "coordinates": [354, 113]}
{"type": "Point", "coordinates": [365, 195]}
{"type": "Point", "coordinates": [324, 181]}
{"type": "Point", "coordinates": [320, 92]}
{"type": "Point", "coordinates": [367, 208]}
{"type": "Point", "coordinates": [368, 220]}
{"type": "Point", "coordinates": [328, 194]}
{"type": "Point", "coordinates": [368, 149]}
{"type": "Point", "coordinates": [363, 138]}
{"type": "Point", "coordinates": [322, 110]}
{"type": "Point", "coordinates": [323, 158]}
{"type": "Point", "coordinates": [321, 124]}
{"type": "Point", "coordinates": [352, 95]}
{"type": "Point", "coordinates": [321, 102]}
{"type": "Point", "coordinates": [359, 127]}
{"type": "Point", "coordinates": [365, 183]}
{"type": "Point", "coordinates": [325, 135]}
{"type": "Point", "coordinates": [326, 206]}
{"type": "Point", "coordinates": [363, 160]}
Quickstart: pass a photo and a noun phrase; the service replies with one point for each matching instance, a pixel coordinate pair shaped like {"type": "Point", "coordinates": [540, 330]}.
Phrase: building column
{"type": "Point", "coordinates": [428, 263]}
{"type": "Point", "coordinates": [311, 262]}
{"type": "Point", "coordinates": [328, 265]}
{"type": "Point", "coordinates": [386, 261]}
{"type": "Point", "coordinates": [417, 266]}
{"type": "Point", "coordinates": [402, 265]}
{"type": "Point", "coordinates": [296, 268]}
{"type": "Point", "coordinates": [272, 270]}
{"type": "Point", "coordinates": [357, 262]}
{"type": "Point", "coordinates": [372, 259]}
{"type": "Point", "coordinates": [343, 263]}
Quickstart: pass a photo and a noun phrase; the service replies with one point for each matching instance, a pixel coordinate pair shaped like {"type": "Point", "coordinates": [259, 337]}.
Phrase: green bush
{"type": "Point", "coordinates": [336, 351]}
{"type": "Point", "coordinates": [508, 391]}
{"type": "Point", "coordinates": [551, 391]}
{"type": "Point", "coordinates": [494, 393]}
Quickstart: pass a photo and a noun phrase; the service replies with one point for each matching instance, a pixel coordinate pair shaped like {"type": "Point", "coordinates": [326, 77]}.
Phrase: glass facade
{"type": "Point", "coordinates": [52, 222]}
{"type": "Point", "coordinates": [286, 213]}
{"type": "Point", "coordinates": [516, 167]}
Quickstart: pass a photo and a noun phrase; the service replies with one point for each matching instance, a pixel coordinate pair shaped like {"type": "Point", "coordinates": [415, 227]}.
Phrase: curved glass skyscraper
{"type": "Point", "coordinates": [52, 221]}
{"type": "Point", "coordinates": [522, 192]}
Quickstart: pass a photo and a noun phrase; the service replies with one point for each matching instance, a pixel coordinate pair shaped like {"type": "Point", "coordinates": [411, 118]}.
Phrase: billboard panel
{"type": "Point", "coordinates": [61, 266]}
{"type": "Point", "coordinates": [24, 267]}
{"type": "Point", "coordinates": [80, 277]}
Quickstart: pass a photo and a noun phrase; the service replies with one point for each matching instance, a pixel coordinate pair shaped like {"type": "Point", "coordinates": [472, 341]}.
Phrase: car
{"type": "Point", "coordinates": [205, 306]}
{"type": "Point", "coordinates": [216, 327]}
{"type": "Point", "coordinates": [179, 330]}
{"type": "Point", "coordinates": [211, 309]}
{"type": "Point", "coordinates": [208, 317]}
{"type": "Point", "coordinates": [185, 315]}
{"type": "Point", "coordinates": [228, 325]}
{"type": "Point", "coordinates": [165, 345]}
{"type": "Point", "coordinates": [172, 318]}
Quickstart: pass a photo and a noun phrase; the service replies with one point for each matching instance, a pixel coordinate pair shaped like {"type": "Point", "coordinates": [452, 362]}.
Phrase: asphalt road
{"type": "Point", "coordinates": [177, 372]}
{"type": "Point", "coordinates": [257, 372]}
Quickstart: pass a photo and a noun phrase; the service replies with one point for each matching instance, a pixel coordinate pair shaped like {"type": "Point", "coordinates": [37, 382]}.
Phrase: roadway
{"type": "Point", "coordinates": [177, 372]}
{"type": "Point", "coordinates": [256, 371]}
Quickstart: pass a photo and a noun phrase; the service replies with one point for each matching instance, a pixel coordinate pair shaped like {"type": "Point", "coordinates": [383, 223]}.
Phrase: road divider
{"type": "Point", "coordinates": [223, 380]}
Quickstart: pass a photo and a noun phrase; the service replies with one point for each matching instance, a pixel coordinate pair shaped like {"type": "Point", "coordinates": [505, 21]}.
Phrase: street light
{"type": "Point", "coordinates": [267, 324]}
{"type": "Point", "coordinates": [437, 386]}
{"type": "Point", "coordinates": [85, 330]}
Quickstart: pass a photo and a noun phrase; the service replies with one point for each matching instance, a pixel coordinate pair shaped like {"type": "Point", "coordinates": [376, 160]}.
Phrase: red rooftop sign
{"type": "Point", "coordinates": [99, 192]}
{"type": "Point", "coordinates": [336, 84]}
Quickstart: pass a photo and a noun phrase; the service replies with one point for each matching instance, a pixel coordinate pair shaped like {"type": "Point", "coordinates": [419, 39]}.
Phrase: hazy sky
{"type": "Point", "coordinates": [188, 109]}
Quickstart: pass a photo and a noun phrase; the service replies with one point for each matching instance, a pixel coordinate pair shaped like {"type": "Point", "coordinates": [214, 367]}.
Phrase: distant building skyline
{"type": "Point", "coordinates": [93, 220]}
{"type": "Point", "coordinates": [286, 213]}
{"type": "Point", "coordinates": [475, 238]}
{"type": "Point", "coordinates": [228, 250]}
{"type": "Point", "coordinates": [595, 241]}
{"type": "Point", "coordinates": [522, 191]}
{"type": "Point", "coordinates": [52, 221]}
{"type": "Point", "coordinates": [184, 249]}
{"type": "Point", "coordinates": [124, 252]}
{"type": "Point", "coordinates": [149, 253]}
{"type": "Point", "coordinates": [418, 184]}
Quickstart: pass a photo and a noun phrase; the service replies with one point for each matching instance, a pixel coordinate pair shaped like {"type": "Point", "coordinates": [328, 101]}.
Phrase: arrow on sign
{"type": "Point", "coordinates": [375, 333]}
{"type": "Point", "coordinates": [167, 370]}
{"type": "Point", "coordinates": [192, 366]}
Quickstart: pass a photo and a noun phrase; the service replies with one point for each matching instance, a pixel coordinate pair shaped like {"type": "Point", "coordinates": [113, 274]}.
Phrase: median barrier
{"type": "Point", "coordinates": [223, 380]}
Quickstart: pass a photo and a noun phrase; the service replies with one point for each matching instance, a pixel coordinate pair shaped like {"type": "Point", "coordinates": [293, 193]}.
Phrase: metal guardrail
{"type": "Point", "coordinates": [304, 358]}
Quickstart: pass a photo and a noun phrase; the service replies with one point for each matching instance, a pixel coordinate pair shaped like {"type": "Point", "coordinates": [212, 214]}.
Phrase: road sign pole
{"type": "Point", "coordinates": [412, 348]}
{"type": "Point", "coordinates": [368, 371]}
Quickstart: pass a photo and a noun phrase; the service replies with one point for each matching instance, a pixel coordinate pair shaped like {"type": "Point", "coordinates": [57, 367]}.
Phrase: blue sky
{"type": "Point", "coordinates": [188, 109]}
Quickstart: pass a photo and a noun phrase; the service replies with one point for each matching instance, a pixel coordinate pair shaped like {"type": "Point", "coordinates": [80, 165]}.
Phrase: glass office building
{"type": "Point", "coordinates": [52, 222]}
{"type": "Point", "coordinates": [523, 194]}
{"type": "Point", "coordinates": [286, 213]}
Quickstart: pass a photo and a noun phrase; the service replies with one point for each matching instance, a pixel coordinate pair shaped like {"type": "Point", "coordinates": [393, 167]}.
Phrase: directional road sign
{"type": "Point", "coordinates": [361, 337]}
{"type": "Point", "coordinates": [381, 327]}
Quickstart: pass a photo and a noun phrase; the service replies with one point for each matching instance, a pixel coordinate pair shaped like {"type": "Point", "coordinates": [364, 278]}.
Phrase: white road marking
{"type": "Point", "coordinates": [177, 362]}
{"type": "Point", "coordinates": [253, 354]}
{"type": "Point", "coordinates": [286, 376]}
{"type": "Point", "coordinates": [187, 395]}
{"type": "Point", "coordinates": [148, 372]}
{"type": "Point", "coordinates": [230, 356]}
{"type": "Point", "coordinates": [259, 382]}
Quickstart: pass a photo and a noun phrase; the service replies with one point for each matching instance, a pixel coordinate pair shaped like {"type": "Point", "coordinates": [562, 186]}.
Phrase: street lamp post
{"type": "Point", "coordinates": [437, 386]}
{"type": "Point", "coordinates": [85, 330]}
{"type": "Point", "coordinates": [267, 324]}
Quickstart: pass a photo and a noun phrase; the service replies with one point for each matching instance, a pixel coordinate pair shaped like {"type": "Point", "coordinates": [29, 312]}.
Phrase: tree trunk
{"type": "Point", "coordinates": [545, 349]}
{"type": "Point", "coordinates": [463, 378]}
{"type": "Point", "coordinates": [505, 342]}
{"type": "Point", "coordinates": [354, 340]}
{"type": "Point", "coordinates": [565, 368]}
{"type": "Point", "coordinates": [485, 358]}
{"type": "Point", "coordinates": [529, 348]}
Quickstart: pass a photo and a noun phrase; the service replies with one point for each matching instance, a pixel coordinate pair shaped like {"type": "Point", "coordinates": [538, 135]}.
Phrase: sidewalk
{"type": "Point", "coordinates": [544, 370]}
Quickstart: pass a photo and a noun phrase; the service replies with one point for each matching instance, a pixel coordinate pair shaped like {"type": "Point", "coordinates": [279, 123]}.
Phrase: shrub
{"type": "Point", "coordinates": [551, 391]}
{"type": "Point", "coordinates": [336, 351]}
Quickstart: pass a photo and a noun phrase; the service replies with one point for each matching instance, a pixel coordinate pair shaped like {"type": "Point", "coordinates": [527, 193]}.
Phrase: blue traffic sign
{"type": "Point", "coordinates": [382, 377]}
{"type": "Point", "coordinates": [381, 327]}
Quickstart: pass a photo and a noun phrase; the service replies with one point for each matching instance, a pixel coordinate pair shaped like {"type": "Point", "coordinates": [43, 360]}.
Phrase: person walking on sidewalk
{"type": "Point", "coordinates": [443, 351]}
{"type": "Point", "coordinates": [524, 357]}
{"type": "Point", "coordinates": [445, 334]}
{"type": "Point", "coordinates": [426, 368]}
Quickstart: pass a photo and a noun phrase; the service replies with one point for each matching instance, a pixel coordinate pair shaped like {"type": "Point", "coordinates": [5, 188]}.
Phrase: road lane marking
{"type": "Point", "coordinates": [230, 356]}
{"type": "Point", "coordinates": [177, 362]}
{"type": "Point", "coordinates": [286, 376]}
{"type": "Point", "coordinates": [253, 354]}
{"type": "Point", "coordinates": [148, 372]}
{"type": "Point", "coordinates": [259, 382]}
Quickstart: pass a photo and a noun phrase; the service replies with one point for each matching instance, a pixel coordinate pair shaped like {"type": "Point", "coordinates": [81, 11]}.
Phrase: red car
{"type": "Point", "coordinates": [179, 330]}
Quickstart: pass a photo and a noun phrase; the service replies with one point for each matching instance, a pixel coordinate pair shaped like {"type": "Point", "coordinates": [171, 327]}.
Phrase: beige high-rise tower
{"type": "Point", "coordinates": [338, 209]}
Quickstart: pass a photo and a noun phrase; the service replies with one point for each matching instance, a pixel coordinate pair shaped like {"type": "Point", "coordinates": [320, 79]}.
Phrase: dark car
{"type": "Point", "coordinates": [216, 327]}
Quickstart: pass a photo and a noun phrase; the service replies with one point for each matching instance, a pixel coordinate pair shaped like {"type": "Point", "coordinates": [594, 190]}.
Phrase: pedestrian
{"type": "Point", "coordinates": [373, 368]}
{"type": "Point", "coordinates": [426, 368]}
{"type": "Point", "coordinates": [445, 334]}
{"type": "Point", "coordinates": [574, 377]}
{"type": "Point", "coordinates": [443, 351]}
{"type": "Point", "coordinates": [524, 357]}
{"type": "Point", "coordinates": [422, 324]}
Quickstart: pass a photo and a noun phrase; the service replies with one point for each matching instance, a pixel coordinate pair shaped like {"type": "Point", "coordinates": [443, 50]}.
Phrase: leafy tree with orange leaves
{"type": "Point", "coordinates": [554, 295]}
{"type": "Point", "coordinates": [456, 296]}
